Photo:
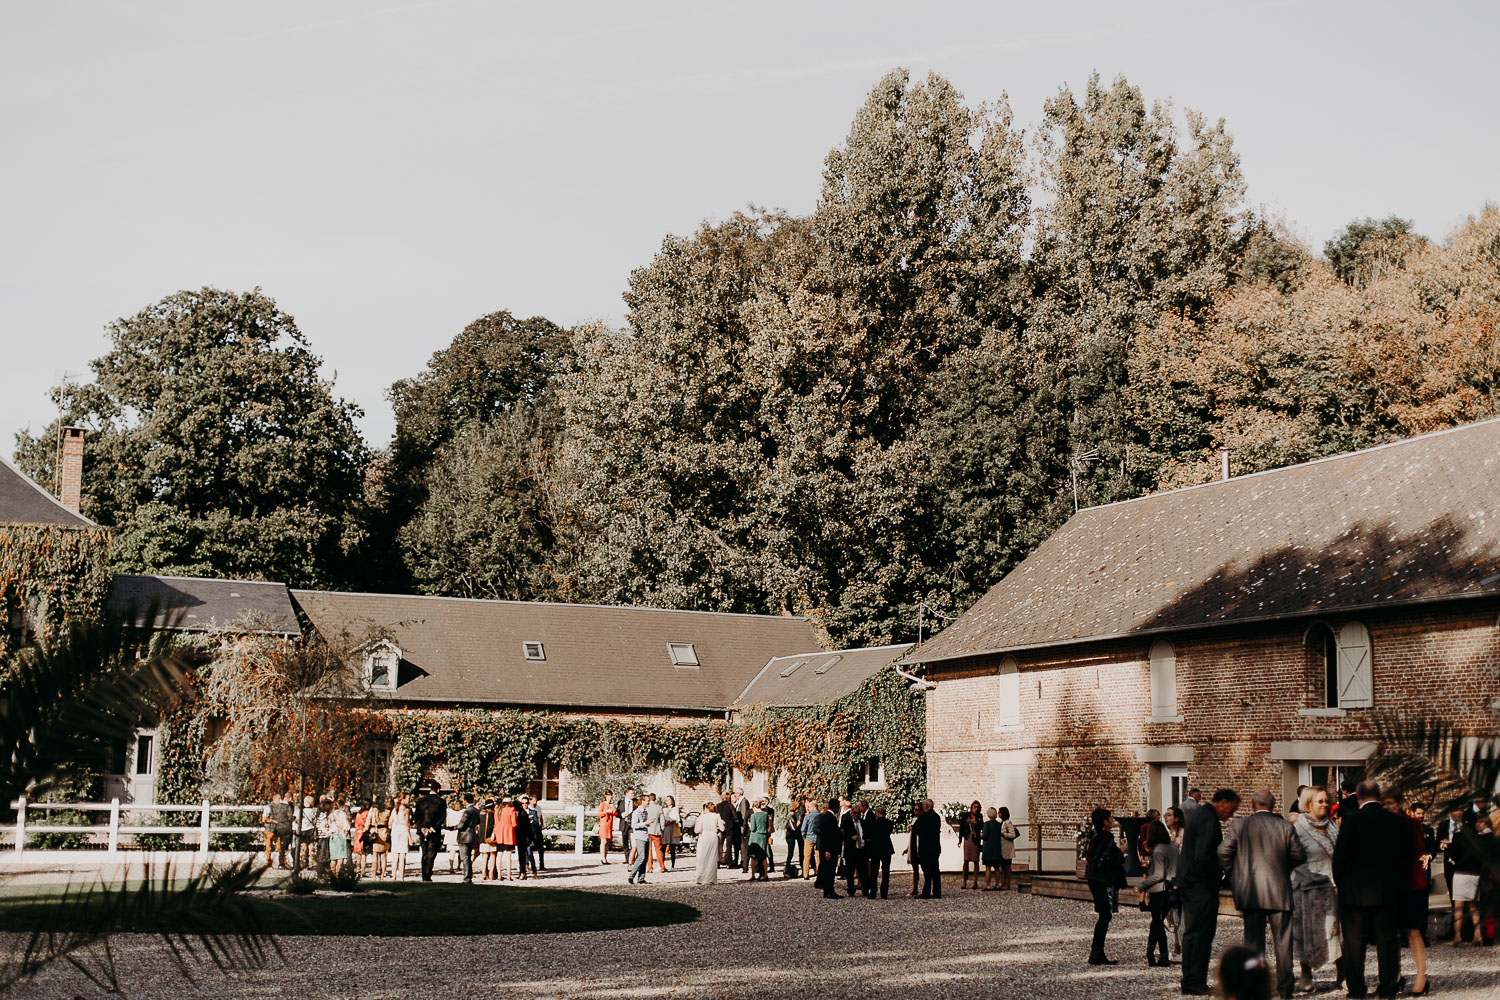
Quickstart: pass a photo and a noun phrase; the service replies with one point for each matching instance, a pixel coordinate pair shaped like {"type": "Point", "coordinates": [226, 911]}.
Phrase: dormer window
{"type": "Point", "coordinates": [533, 651]}
{"type": "Point", "coordinates": [380, 666]}
{"type": "Point", "coordinates": [683, 654]}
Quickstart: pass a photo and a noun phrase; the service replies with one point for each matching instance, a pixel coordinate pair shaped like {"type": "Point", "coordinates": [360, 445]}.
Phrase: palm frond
{"type": "Point", "coordinates": [1430, 758]}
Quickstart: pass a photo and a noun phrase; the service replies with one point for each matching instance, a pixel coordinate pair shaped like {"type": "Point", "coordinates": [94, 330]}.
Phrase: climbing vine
{"type": "Point", "coordinates": [52, 573]}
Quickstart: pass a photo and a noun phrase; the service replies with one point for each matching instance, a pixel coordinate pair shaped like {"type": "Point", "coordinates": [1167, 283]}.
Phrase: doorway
{"type": "Point", "coordinates": [1174, 785]}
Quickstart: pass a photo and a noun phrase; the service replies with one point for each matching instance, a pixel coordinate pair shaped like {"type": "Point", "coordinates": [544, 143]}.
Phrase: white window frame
{"type": "Point", "coordinates": [1162, 664]}
{"type": "Point", "coordinates": [686, 660]}
{"type": "Point", "coordinates": [528, 645]}
{"type": "Point", "coordinates": [868, 782]}
{"type": "Point", "coordinates": [1008, 696]}
{"type": "Point", "coordinates": [383, 647]}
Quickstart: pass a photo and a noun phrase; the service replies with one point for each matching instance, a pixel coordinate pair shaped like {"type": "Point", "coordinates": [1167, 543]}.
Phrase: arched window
{"type": "Point", "coordinates": [1008, 698]}
{"type": "Point", "coordinates": [1163, 681]}
{"type": "Point", "coordinates": [1341, 664]}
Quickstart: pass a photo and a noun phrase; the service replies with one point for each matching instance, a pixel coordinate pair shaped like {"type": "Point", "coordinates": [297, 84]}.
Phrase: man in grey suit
{"type": "Point", "coordinates": [1259, 853]}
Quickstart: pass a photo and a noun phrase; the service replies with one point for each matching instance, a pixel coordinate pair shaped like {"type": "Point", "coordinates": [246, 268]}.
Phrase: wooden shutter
{"type": "Point", "coordinates": [1008, 698]}
{"type": "Point", "coordinates": [1356, 684]}
{"type": "Point", "coordinates": [1163, 680]}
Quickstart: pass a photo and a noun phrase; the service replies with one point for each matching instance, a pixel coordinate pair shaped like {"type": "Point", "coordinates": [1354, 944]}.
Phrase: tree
{"type": "Point", "coordinates": [215, 448]}
{"type": "Point", "coordinates": [1366, 248]}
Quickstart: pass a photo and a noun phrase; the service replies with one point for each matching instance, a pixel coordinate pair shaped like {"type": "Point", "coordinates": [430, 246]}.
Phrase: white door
{"type": "Point", "coordinates": [1174, 785]}
{"type": "Point", "coordinates": [134, 777]}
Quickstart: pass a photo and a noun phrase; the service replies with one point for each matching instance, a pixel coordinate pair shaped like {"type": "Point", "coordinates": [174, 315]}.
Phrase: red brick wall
{"type": "Point", "coordinates": [1084, 709]}
{"type": "Point", "coordinates": [70, 470]}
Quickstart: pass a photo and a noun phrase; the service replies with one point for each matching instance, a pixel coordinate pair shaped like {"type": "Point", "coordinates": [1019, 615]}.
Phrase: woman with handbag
{"type": "Point", "coordinates": [1317, 936]}
{"type": "Point", "coordinates": [1105, 872]}
{"type": "Point", "coordinates": [1159, 889]}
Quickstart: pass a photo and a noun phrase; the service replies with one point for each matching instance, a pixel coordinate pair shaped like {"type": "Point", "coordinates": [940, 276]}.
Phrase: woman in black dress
{"type": "Point", "coordinates": [1105, 872]}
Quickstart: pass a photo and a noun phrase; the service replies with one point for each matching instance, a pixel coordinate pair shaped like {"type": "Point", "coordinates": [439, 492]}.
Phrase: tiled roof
{"type": "Point", "coordinates": [817, 677]}
{"type": "Point", "coordinates": [22, 501]}
{"type": "Point", "coordinates": [461, 651]}
{"type": "Point", "coordinates": [195, 603]}
{"type": "Point", "coordinates": [1410, 522]}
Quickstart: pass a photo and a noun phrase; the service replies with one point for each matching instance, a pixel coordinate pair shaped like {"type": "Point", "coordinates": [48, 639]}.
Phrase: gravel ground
{"type": "Point", "coordinates": [753, 940]}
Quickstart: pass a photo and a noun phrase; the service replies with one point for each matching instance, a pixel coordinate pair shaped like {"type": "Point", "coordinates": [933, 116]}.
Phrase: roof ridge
{"type": "Point", "coordinates": [45, 493]}
{"type": "Point", "coordinates": [206, 579]}
{"type": "Point", "coordinates": [1299, 465]}
{"type": "Point", "coordinates": [549, 604]}
{"type": "Point", "coordinates": [851, 649]}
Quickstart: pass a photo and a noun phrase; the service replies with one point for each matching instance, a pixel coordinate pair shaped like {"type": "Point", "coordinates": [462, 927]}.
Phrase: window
{"type": "Point", "coordinates": [1163, 682]}
{"type": "Point", "coordinates": [1330, 776]}
{"type": "Point", "coordinates": [1341, 665]}
{"type": "Point", "coordinates": [1008, 698]}
{"type": "Point", "coordinates": [795, 666]}
{"type": "Point", "coordinates": [381, 665]}
{"type": "Point", "coordinates": [533, 651]}
{"type": "Point", "coordinates": [1325, 651]}
{"type": "Point", "coordinates": [546, 786]}
{"type": "Point", "coordinates": [145, 753]}
{"type": "Point", "coordinates": [827, 665]}
{"type": "Point", "coordinates": [871, 773]}
{"type": "Point", "coordinates": [683, 654]}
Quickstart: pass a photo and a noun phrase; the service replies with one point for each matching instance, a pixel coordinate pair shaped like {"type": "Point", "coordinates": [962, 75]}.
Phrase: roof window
{"type": "Point", "coordinates": [827, 664]}
{"type": "Point", "coordinates": [381, 664]}
{"type": "Point", "coordinates": [683, 654]}
{"type": "Point", "coordinates": [796, 664]}
{"type": "Point", "coordinates": [533, 651]}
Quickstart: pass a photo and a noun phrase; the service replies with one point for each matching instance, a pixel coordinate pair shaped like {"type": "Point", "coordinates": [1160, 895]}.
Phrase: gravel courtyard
{"type": "Point", "coordinates": [753, 940]}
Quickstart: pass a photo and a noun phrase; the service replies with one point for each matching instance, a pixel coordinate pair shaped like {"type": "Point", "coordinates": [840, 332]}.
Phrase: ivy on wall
{"type": "Point", "coordinates": [52, 572]}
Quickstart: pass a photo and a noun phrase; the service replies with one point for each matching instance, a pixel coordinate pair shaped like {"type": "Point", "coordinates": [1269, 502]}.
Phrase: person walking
{"type": "Point", "coordinates": [830, 841]}
{"type": "Point", "coordinates": [1316, 937]}
{"type": "Point", "coordinates": [810, 814]}
{"type": "Point", "coordinates": [671, 829]}
{"type": "Point", "coordinates": [879, 847]}
{"type": "Point", "coordinates": [1159, 890]}
{"type": "Point", "coordinates": [606, 814]}
{"type": "Point", "coordinates": [1198, 878]}
{"type": "Point", "coordinates": [970, 830]}
{"type": "Point", "coordinates": [429, 817]}
{"type": "Point", "coordinates": [1258, 853]}
{"type": "Point", "coordinates": [640, 843]}
{"type": "Point", "coordinates": [708, 828]}
{"type": "Point", "coordinates": [758, 842]}
{"type": "Point", "coordinates": [928, 830]}
{"type": "Point", "coordinates": [1104, 870]}
{"type": "Point", "coordinates": [1367, 871]}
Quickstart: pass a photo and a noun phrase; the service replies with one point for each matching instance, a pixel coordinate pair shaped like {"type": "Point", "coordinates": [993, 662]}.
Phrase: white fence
{"type": "Point", "coordinates": [205, 827]}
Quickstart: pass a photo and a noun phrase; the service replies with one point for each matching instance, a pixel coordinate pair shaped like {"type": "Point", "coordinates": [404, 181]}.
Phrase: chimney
{"type": "Point", "coordinates": [1224, 465]}
{"type": "Point", "coordinates": [70, 468]}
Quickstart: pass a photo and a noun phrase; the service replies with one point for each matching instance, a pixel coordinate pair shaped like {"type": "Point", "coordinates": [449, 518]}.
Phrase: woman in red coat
{"type": "Point", "coordinates": [505, 837]}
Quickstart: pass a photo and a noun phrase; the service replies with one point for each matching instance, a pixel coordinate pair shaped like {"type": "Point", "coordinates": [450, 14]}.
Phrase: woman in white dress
{"type": "Point", "coordinates": [400, 838]}
{"type": "Point", "coordinates": [708, 828]}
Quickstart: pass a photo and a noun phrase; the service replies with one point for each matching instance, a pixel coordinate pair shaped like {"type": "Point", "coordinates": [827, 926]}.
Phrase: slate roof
{"type": "Point", "coordinates": [817, 677]}
{"type": "Point", "coordinates": [460, 651]}
{"type": "Point", "coordinates": [23, 501]}
{"type": "Point", "coordinates": [1411, 522]}
{"type": "Point", "coordinates": [193, 603]}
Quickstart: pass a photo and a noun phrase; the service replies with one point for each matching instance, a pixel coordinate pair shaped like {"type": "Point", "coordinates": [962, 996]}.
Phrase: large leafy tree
{"type": "Point", "coordinates": [215, 447]}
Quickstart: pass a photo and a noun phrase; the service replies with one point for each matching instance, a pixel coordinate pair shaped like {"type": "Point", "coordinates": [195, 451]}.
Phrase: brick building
{"type": "Point", "coordinates": [1238, 633]}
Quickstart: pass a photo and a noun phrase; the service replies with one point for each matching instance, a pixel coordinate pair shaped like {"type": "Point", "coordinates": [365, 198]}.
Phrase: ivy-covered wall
{"type": "Point", "coordinates": [53, 573]}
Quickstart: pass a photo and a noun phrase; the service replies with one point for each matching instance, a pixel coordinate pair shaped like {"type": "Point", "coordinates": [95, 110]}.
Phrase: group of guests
{"type": "Point", "coordinates": [650, 831]}
{"type": "Point", "coordinates": [376, 838]}
{"type": "Point", "coordinates": [1327, 883]}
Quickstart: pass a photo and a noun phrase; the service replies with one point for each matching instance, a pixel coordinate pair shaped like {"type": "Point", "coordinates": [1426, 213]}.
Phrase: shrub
{"type": "Point", "coordinates": [60, 841]}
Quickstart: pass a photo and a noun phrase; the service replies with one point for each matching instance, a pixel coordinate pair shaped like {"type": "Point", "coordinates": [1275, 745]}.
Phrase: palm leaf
{"type": "Point", "coordinates": [1429, 758]}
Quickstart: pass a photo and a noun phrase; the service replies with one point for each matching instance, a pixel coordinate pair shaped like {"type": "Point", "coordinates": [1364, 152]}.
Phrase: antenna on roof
{"type": "Point", "coordinates": [59, 392]}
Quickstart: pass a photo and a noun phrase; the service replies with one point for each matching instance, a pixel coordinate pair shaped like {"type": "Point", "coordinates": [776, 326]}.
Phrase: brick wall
{"type": "Point", "coordinates": [1085, 739]}
{"type": "Point", "coordinates": [70, 469]}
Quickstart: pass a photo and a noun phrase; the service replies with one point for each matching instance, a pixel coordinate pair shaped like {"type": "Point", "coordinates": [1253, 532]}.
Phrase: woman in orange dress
{"type": "Point", "coordinates": [505, 837]}
{"type": "Point", "coordinates": [606, 825]}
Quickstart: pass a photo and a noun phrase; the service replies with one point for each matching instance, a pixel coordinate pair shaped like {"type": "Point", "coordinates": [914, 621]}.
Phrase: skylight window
{"type": "Point", "coordinates": [533, 651]}
{"type": "Point", "coordinates": [796, 665]}
{"type": "Point", "coordinates": [683, 654]}
{"type": "Point", "coordinates": [827, 664]}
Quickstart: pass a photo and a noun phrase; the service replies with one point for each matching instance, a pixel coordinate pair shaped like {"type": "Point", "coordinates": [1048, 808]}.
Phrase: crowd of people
{"type": "Point", "coordinates": [1325, 882]}
{"type": "Point", "coordinates": [376, 838]}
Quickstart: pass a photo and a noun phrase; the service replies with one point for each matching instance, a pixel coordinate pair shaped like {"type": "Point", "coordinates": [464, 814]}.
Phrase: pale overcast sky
{"type": "Point", "coordinates": [389, 171]}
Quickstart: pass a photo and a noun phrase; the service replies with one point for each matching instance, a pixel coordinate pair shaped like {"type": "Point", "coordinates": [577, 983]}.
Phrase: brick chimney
{"type": "Point", "coordinates": [70, 468]}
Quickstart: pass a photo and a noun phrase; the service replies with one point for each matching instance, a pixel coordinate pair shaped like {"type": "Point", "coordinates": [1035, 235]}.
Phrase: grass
{"type": "Point", "coordinates": [417, 909]}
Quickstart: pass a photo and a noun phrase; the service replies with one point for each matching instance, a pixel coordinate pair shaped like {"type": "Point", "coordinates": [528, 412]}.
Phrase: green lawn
{"type": "Point", "coordinates": [414, 910]}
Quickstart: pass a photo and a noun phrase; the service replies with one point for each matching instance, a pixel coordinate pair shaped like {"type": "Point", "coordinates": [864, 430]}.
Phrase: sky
{"type": "Point", "coordinates": [389, 171]}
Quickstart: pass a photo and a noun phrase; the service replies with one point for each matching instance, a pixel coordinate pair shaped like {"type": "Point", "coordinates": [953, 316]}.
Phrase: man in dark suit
{"type": "Point", "coordinates": [468, 835]}
{"type": "Point", "coordinates": [428, 816]}
{"type": "Point", "coordinates": [742, 809]}
{"type": "Point", "coordinates": [878, 850]}
{"type": "Point", "coordinates": [1199, 875]}
{"type": "Point", "coordinates": [729, 845]}
{"type": "Point", "coordinates": [852, 830]}
{"type": "Point", "coordinates": [829, 841]}
{"type": "Point", "coordinates": [1259, 853]}
{"type": "Point", "coordinates": [1367, 870]}
{"type": "Point", "coordinates": [929, 832]}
